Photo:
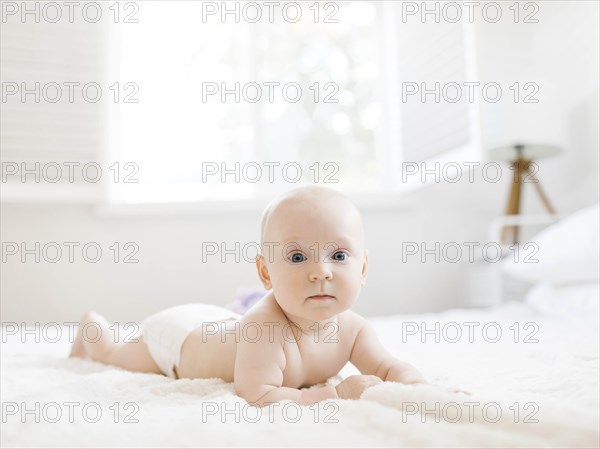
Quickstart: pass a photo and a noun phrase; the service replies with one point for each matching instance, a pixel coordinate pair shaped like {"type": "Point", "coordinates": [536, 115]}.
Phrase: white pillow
{"type": "Point", "coordinates": [576, 302]}
{"type": "Point", "coordinates": [567, 251]}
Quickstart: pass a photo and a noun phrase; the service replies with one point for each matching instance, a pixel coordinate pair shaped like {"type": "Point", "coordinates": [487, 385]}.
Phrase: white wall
{"type": "Point", "coordinates": [560, 54]}
{"type": "Point", "coordinates": [171, 271]}
{"type": "Point", "coordinates": [562, 51]}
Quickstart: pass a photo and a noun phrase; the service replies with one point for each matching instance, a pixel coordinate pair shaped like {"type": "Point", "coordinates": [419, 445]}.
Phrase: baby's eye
{"type": "Point", "coordinates": [340, 256]}
{"type": "Point", "coordinates": [297, 258]}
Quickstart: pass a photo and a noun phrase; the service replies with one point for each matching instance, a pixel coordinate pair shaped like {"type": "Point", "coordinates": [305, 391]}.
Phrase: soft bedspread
{"type": "Point", "coordinates": [536, 385]}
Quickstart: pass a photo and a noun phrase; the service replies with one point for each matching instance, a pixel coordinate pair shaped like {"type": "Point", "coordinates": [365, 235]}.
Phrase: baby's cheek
{"type": "Point", "coordinates": [352, 279]}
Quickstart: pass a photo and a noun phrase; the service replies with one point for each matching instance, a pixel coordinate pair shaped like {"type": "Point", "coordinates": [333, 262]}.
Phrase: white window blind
{"type": "Point", "coordinates": [432, 55]}
{"type": "Point", "coordinates": [47, 121]}
{"type": "Point", "coordinates": [439, 105]}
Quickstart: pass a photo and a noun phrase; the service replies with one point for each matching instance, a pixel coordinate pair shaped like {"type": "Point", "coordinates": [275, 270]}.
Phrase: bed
{"type": "Point", "coordinates": [531, 368]}
{"type": "Point", "coordinates": [539, 391]}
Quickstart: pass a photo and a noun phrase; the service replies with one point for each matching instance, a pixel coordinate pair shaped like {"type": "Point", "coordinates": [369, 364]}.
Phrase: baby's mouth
{"type": "Point", "coordinates": [321, 297]}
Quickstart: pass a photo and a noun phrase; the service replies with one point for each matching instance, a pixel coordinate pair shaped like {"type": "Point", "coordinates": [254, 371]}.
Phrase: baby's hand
{"type": "Point", "coordinates": [354, 386]}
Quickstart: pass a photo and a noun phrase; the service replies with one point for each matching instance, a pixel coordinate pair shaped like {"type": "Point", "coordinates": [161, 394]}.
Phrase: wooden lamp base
{"type": "Point", "coordinates": [523, 174]}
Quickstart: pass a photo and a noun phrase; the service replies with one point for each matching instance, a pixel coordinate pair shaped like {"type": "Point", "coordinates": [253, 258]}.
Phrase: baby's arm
{"type": "Point", "coordinates": [258, 374]}
{"type": "Point", "coordinates": [370, 357]}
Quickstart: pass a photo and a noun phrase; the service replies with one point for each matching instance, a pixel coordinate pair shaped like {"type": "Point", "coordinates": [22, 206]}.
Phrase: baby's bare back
{"type": "Point", "coordinates": [308, 358]}
{"type": "Point", "coordinates": [209, 351]}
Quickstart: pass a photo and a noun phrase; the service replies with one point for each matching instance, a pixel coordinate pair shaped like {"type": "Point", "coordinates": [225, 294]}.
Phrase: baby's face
{"type": "Point", "coordinates": [315, 258]}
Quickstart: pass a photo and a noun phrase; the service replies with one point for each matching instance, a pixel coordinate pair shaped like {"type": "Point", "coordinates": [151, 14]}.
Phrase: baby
{"type": "Point", "coordinates": [301, 333]}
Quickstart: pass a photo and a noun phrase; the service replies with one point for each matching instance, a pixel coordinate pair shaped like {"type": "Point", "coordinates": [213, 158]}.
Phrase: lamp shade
{"type": "Point", "coordinates": [531, 152]}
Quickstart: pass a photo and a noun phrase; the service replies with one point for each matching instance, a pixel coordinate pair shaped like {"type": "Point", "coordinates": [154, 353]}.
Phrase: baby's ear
{"type": "Point", "coordinates": [365, 268]}
{"type": "Point", "coordinates": [263, 272]}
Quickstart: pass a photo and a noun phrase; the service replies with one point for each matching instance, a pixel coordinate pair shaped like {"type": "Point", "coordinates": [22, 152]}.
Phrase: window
{"type": "Point", "coordinates": [192, 100]}
{"type": "Point", "coordinates": [262, 105]}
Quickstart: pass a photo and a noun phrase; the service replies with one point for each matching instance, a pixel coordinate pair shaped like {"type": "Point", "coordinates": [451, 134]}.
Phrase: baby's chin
{"type": "Point", "coordinates": [323, 310]}
{"type": "Point", "coordinates": [313, 312]}
{"type": "Point", "coordinates": [314, 309]}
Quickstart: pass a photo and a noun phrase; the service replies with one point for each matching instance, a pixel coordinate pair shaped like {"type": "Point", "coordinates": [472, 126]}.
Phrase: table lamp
{"type": "Point", "coordinates": [521, 157]}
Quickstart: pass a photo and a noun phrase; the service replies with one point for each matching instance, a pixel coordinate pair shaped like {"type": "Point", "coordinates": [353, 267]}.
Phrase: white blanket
{"type": "Point", "coordinates": [522, 395]}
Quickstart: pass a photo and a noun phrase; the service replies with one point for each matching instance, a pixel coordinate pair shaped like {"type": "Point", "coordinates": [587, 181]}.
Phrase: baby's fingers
{"type": "Point", "coordinates": [370, 378]}
{"type": "Point", "coordinates": [371, 382]}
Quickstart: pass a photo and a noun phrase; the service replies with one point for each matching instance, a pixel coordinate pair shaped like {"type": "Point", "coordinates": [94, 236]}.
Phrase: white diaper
{"type": "Point", "coordinates": [165, 331]}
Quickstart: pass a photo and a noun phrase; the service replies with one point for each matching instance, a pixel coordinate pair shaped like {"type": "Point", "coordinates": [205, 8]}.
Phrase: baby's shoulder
{"type": "Point", "coordinates": [352, 319]}
{"type": "Point", "coordinates": [264, 313]}
{"type": "Point", "coordinates": [351, 323]}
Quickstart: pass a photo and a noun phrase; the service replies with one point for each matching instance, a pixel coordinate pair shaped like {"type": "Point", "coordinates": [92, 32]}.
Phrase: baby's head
{"type": "Point", "coordinates": [312, 241]}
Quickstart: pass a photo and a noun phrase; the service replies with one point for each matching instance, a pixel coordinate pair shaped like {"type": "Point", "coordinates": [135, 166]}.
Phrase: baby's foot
{"type": "Point", "coordinates": [78, 348]}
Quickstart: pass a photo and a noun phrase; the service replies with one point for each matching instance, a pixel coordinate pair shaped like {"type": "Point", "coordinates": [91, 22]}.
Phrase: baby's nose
{"type": "Point", "coordinates": [320, 271]}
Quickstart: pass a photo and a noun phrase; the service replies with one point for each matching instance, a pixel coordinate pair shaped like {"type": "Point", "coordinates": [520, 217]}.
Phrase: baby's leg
{"type": "Point", "coordinates": [132, 355]}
